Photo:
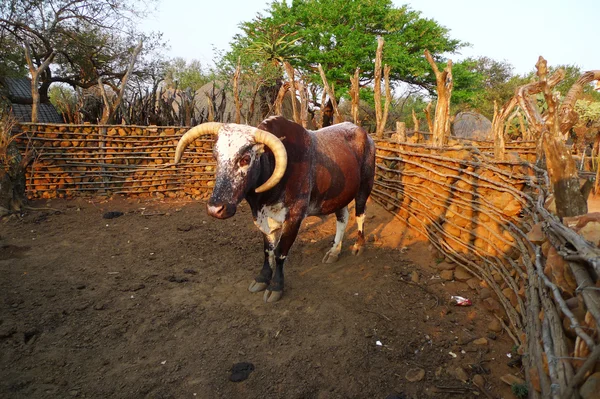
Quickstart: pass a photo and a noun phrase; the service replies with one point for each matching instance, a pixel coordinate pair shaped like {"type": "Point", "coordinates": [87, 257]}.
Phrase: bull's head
{"type": "Point", "coordinates": [237, 151]}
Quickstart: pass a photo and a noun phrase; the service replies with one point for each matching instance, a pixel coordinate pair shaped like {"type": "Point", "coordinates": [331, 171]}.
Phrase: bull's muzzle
{"type": "Point", "coordinates": [221, 211]}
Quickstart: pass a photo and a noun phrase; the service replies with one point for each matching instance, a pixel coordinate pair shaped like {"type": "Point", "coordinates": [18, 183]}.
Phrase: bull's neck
{"type": "Point", "coordinates": [267, 166]}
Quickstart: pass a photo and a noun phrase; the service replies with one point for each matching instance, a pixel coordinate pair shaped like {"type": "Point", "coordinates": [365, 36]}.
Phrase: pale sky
{"type": "Point", "coordinates": [518, 31]}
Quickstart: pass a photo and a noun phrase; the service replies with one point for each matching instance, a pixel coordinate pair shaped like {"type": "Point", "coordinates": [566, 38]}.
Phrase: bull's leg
{"type": "Point", "coordinates": [275, 290]}
{"type": "Point", "coordinates": [360, 203]}
{"type": "Point", "coordinates": [340, 227]}
{"type": "Point", "coordinates": [261, 281]}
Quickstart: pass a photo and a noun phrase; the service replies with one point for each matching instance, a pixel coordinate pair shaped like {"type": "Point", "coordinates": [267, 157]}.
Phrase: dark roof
{"type": "Point", "coordinates": [18, 88]}
{"type": "Point", "coordinates": [46, 113]}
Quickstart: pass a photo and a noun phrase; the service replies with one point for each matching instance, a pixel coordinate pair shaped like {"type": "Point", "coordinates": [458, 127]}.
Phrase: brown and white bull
{"type": "Point", "coordinates": [287, 173]}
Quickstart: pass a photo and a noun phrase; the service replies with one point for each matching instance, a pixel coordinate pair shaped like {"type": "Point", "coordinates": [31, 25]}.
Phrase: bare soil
{"type": "Point", "coordinates": [154, 304]}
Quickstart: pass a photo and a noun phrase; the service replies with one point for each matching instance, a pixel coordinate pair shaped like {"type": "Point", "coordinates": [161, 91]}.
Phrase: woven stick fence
{"type": "Point", "coordinates": [479, 213]}
{"type": "Point", "coordinates": [132, 160]}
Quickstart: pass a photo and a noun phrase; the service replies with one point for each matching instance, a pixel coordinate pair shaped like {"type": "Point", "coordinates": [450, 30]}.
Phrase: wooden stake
{"type": "Point", "coordinates": [427, 111]}
{"type": "Point", "coordinates": [441, 127]}
{"type": "Point", "coordinates": [355, 94]}
{"type": "Point", "coordinates": [337, 117]}
{"type": "Point", "coordinates": [292, 87]}
{"type": "Point", "coordinates": [35, 78]}
{"type": "Point", "coordinates": [236, 92]}
{"type": "Point", "coordinates": [400, 135]}
{"type": "Point", "coordinates": [388, 99]}
{"type": "Point", "coordinates": [416, 123]}
{"type": "Point", "coordinates": [377, 87]}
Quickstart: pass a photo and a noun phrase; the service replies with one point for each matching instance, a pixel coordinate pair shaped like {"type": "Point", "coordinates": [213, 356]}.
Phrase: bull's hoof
{"type": "Point", "coordinates": [356, 250]}
{"type": "Point", "coordinates": [331, 256]}
{"type": "Point", "coordinates": [255, 286]}
{"type": "Point", "coordinates": [272, 296]}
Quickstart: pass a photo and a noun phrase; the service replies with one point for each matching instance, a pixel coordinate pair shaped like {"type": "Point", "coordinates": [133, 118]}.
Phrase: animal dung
{"type": "Point", "coordinates": [240, 371]}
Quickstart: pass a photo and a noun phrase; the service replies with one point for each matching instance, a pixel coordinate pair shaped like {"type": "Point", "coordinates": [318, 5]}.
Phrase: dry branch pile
{"type": "Point", "coordinates": [133, 160]}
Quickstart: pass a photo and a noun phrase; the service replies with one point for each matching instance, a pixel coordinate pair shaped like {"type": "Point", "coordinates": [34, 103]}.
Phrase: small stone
{"type": "Point", "coordinates": [591, 388]}
{"type": "Point", "coordinates": [473, 283]}
{"type": "Point", "coordinates": [511, 379]}
{"type": "Point", "coordinates": [100, 306]}
{"type": "Point", "coordinates": [445, 266]}
{"type": "Point", "coordinates": [461, 274]}
{"type": "Point", "coordinates": [460, 374]}
{"type": "Point", "coordinates": [447, 275]}
{"type": "Point", "coordinates": [485, 293]}
{"type": "Point", "coordinates": [479, 381]}
{"type": "Point", "coordinates": [480, 341]}
{"type": "Point", "coordinates": [492, 305]}
{"type": "Point", "coordinates": [495, 325]}
{"type": "Point", "coordinates": [536, 235]}
{"type": "Point", "coordinates": [414, 375]}
{"type": "Point", "coordinates": [414, 277]}
{"type": "Point", "coordinates": [7, 330]}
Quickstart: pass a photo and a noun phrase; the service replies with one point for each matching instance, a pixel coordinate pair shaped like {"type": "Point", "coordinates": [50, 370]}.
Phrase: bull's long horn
{"type": "Point", "coordinates": [193, 134]}
{"type": "Point", "coordinates": [278, 149]}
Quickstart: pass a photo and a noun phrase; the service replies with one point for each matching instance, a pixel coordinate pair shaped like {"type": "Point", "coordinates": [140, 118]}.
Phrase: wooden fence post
{"type": "Point", "coordinates": [441, 126]}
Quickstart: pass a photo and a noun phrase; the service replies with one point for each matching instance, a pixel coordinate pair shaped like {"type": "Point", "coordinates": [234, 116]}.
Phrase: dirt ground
{"type": "Point", "coordinates": [154, 304]}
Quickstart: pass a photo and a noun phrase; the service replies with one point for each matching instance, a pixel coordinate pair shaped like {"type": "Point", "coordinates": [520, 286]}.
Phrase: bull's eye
{"type": "Point", "coordinates": [244, 161]}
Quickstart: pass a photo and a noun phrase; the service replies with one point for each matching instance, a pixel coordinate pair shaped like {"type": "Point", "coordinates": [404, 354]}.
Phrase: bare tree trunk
{"type": "Point", "coordinates": [561, 166]}
{"type": "Point", "coordinates": [337, 118]}
{"type": "Point", "coordinates": [498, 127]}
{"type": "Point", "coordinates": [35, 79]}
{"type": "Point", "coordinates": [416, 123]}
{"type": "Point", "coordinates": [525, 133]}
{"type": "Point", "coordinates": [400, 135]}
{"type": "Point", "coordinates": [292, 87]}
{"type": "Point", "coordinates": [321, 120]}
{"type": "Point", "coordinates": [303, 103]}
{"type": "Point", "coordinates": [388, 98]}
{"type": "Point", "coordinates": [377, 87]}
{"type": "Point", "coordinates": [355, 94]}
{"type": "Point", "coordinates": [427, 111]}
{"type": "Point", "coordinates": [211, 108]}
{"type": "Point", "coordinates": [441, 127]}
{"type": "Point", "coordinates": [109, 109]}
{"type": "Point", "coordinates": [278, 105]}
{"type": "Point", "coordinates": [236, 92]}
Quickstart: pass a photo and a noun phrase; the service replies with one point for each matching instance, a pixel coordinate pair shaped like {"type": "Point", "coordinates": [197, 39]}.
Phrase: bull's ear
{"type": "Point", "coordinates": [259, 149]}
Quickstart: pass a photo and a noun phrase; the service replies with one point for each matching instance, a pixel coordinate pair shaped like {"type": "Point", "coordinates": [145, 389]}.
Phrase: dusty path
{"type": "Point", "coordinates": [154, 304]}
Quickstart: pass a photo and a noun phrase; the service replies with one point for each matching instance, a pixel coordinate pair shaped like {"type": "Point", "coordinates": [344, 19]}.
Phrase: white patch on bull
{"type": "Point", "coordinates": [360, 222]}
{"type": "Point", "coordinates": [231, 139]}
{"type": "Point", "coordinates": [340, 229]}
{"type": "Point", "coordinates": [271, 255]}
{"type": "Point", "coordinates": [270, 218]}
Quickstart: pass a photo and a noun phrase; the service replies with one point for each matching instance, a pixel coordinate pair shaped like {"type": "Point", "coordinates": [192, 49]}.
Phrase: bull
{"type": "Point", "coordinates": [287, 173]}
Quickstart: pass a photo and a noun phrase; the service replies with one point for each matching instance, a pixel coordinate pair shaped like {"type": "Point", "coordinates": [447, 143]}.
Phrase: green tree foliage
{"type": "Point", "coordinates": [342, 35]}
{"type": "Point", "coordinates": [184, 75]}
{"type": "Point", "coordinates": [89, 38]}
{"type": "Point", "coordinates": [481, 81]}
